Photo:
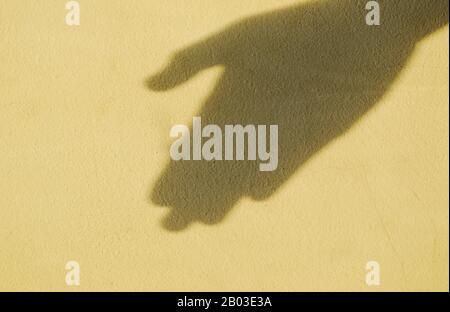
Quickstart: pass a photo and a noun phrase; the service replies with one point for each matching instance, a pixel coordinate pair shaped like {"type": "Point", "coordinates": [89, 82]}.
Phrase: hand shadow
{"type": "Point", "coordinates": [313, 69]}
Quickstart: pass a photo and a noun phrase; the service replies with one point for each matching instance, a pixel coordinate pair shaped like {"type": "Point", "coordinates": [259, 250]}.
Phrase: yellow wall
{"type": "Point", "coordinates": [83, 143]}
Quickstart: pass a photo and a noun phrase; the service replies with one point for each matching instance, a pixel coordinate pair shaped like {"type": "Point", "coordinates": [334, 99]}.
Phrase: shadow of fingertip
{"type": "Point", "coordinates": [157, 84]}
{"type": "Point", "coordinates": [175, 223]}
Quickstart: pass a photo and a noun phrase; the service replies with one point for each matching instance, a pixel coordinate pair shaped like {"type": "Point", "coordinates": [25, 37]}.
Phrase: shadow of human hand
{"type": "Point", "coordinates": [313, 69]}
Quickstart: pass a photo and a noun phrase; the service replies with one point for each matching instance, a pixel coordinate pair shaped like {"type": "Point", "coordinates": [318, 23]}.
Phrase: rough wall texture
{"type": "Point", "coordinates": [85, 114]}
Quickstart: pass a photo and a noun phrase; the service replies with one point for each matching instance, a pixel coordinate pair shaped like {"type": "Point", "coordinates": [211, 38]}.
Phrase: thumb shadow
{"type": "Point", "coordinates": [313, 69]}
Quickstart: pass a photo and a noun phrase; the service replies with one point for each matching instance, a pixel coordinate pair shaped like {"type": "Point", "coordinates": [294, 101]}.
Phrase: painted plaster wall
{"type": "Point", "coordinates": [83, 142]}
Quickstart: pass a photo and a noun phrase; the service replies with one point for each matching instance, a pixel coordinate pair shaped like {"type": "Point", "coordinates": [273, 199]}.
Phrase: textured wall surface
{"type": "Point", "coordinates": [85, 171]}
